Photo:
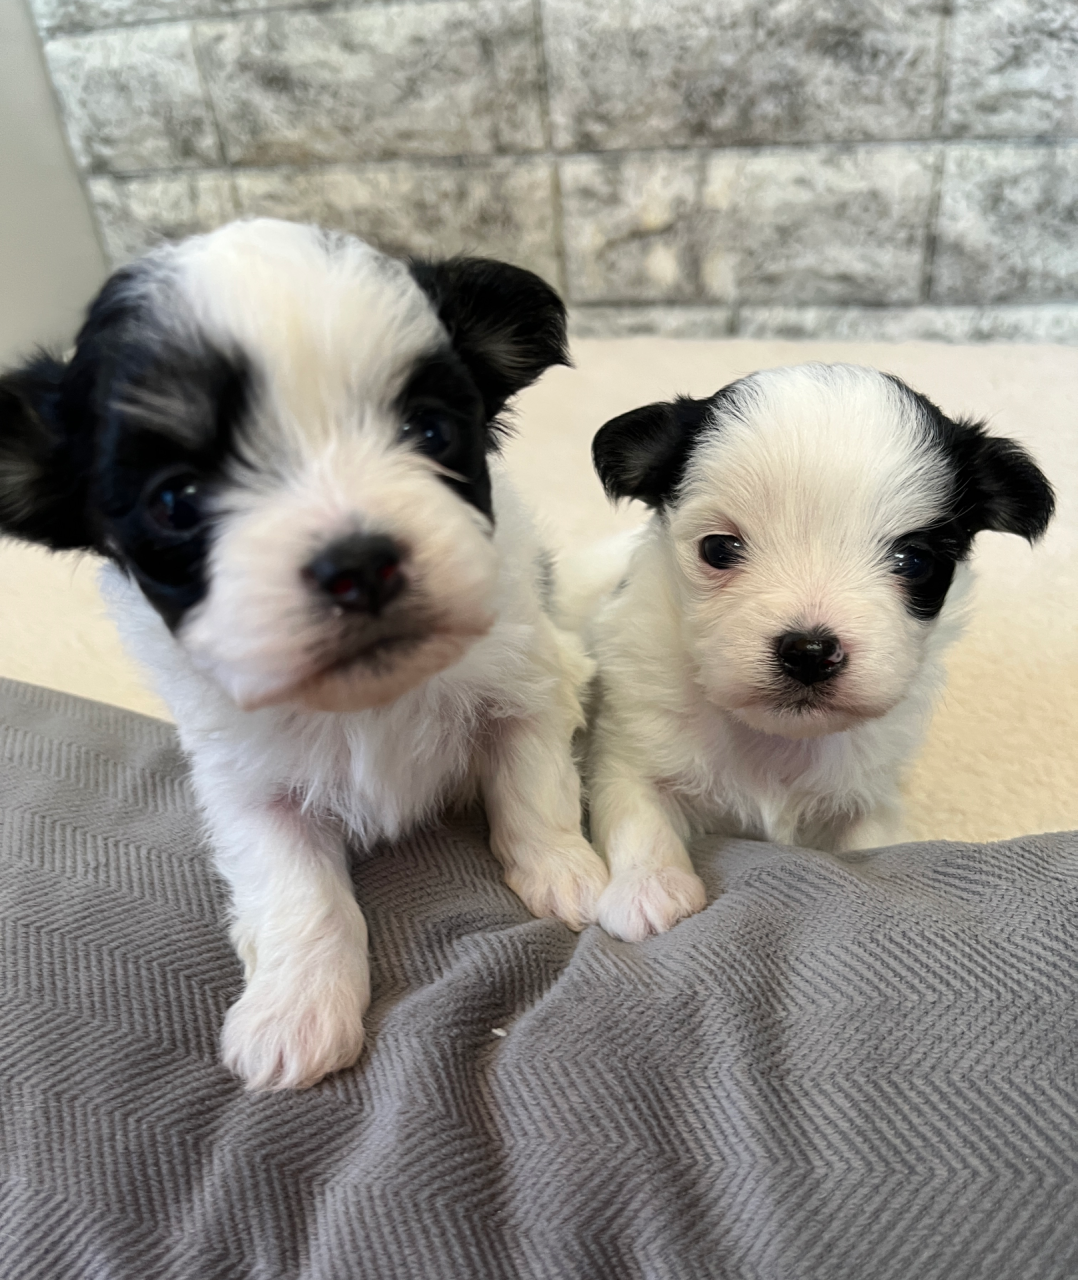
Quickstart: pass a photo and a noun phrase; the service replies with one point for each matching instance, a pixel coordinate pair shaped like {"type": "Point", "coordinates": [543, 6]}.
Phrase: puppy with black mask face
{"type": "Point", "coordinates": [769, 649]}
{"type": "Point", "coordinates": [285, 444]}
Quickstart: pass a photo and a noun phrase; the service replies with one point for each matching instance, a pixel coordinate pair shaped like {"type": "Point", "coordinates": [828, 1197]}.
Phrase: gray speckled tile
{"type": "Point", "coordinates": [639, 73]}
{"type": "Point", "coordinates": [817, 224]}
{"type": "Point", "coordinates": [86, 15]}
{"type": "Point", "coordinates": [133, 99]}
{"type": "Point", "coordinates": [631, 227]}
{"type": "Point", "coordinates": [136, 213]}
{"type": "Point", "coordinates": [450, 77]}
{"type": "Point", "coordinates": [646, 321]}
{"type": "Point", "coordinates": [1008, 225]}
{"type": "Point", "coordinates": [500, 208]}
{"type": "Point", "coordinates": [912, 324]}
{"type": "Point", "coordinates": [1013, 69]}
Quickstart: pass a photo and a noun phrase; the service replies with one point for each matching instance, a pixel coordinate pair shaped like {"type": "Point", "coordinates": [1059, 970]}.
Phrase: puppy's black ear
{"type": "Point", "coordinates": [505, 324]}
{"type": "Point", "coordinates": [1000, 487]}
{"type": "Point", "coordinates": [42, 485]}
{"type": "Point", "coordinates": [643, 453]}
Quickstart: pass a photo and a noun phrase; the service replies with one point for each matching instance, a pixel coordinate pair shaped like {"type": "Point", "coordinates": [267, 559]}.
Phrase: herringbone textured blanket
{"type": "Point", "coordinates": [862, 1068]}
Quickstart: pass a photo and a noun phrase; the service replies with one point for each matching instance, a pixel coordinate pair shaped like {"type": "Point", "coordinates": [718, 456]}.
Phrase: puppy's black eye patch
{"type": "Point", "coordinates": [164, 536]}
{"type": "Point", "coordinates": [722, 550]}
{"type": "Point", "coordinates": [924, 563]}
{"type": "Point", "coordinates": [171, 421]}
{"type": "Point", "coordinates": [441, 415]}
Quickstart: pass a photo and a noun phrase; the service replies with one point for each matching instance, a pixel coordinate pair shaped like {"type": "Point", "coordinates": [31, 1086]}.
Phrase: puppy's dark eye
{"type": "Point", "coordinates": [912, 564]}
{"type": "Point", "coordinates": [722, 550]}
{"type": "Point", "coordinates": [431, 432]}
{"type": "Point", "coordinates": [176, 503]}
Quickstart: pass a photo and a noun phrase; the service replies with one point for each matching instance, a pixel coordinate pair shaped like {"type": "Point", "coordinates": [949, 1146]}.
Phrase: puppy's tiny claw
{"type": "Point", "coordinates": [640, 903]}
{"type": "Point", "coordinates": [566, 884]}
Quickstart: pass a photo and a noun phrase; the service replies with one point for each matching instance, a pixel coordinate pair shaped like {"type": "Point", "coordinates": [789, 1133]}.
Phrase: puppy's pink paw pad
{"type": "Point", "coordinates": [642, 903]}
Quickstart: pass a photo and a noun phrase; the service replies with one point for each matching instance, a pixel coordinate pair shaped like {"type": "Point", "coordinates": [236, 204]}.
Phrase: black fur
{"type": "Point", "coordinates": [506, 324]}
{"type": "Point", "coordinates": [948, 543]}
{"type": "Point", "coordinates": [210, 392]}
{"type": "Point", "coordinates": [643, 454]}
{"type": "Point", "coordinates": [441, 382]}
{"type": "Point", "coordinates": [997, 485]}
{"type": "Point", "coordinates": [49, 416]}
{"type": "Point", "coordinates": [42, 482]}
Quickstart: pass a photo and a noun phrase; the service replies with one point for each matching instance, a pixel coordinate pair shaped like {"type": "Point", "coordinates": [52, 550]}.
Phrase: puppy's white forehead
{"type": "Point", "coordinates": [330, 325]}
{"type": "Point", "coordinates": [817, 450]}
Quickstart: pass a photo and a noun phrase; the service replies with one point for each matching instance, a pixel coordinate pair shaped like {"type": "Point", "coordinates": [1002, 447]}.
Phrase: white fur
{"type": "Point", "coordinates": [821, 470]}
{"type": "Point", "coordinates": [292, 755]}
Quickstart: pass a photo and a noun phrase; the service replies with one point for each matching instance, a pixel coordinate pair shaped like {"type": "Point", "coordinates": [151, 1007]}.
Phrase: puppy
{"type": "Point", "coordinates": [769, 654]}
{"type": "Point", "coordinates": [285, 444]}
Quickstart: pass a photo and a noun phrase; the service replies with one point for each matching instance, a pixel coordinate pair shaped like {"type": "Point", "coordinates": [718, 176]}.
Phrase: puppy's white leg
{"type": "Point", "coordinates": [652, 881]}
{"type": "Point", "coordinates": [882, 826]}
{"type": "Point", "coordinates": [303, 941]}
{"type": "Point", "coordinates": [532, 792]}
{"type": "Point", "coordinates": [532, 795]}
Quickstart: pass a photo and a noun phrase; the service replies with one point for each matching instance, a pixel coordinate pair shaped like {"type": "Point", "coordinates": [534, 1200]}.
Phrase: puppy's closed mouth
{"type": "Point", "coordinates": [378, 653]}
{"type": "Point", "coordinates": [378, 673]}
{"type": "Point", "coordinates": [802, 700]}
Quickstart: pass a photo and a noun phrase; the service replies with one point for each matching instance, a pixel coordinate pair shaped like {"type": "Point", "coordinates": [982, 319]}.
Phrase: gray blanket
{"type": "Point", "coordinates": [864, 1067]}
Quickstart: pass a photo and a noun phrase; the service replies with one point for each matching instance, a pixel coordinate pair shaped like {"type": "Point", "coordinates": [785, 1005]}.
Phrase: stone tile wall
{"type": "Point", "coordinates": [872, 168]}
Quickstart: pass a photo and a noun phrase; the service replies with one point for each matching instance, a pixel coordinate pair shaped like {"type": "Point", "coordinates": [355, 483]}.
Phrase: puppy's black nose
{"type": "Point", "coordinates": [360, 573]}
{"type": "Point", "coordinates": [810, 656]}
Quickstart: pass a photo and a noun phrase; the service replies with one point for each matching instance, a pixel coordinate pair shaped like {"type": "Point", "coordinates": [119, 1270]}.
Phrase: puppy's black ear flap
{"type": "Point", "coordinates": [1004, 488]}
{"type": "Point", "coordinates": [42, 489]}
{"type": "Point", "coordinates": [505, 324]}
{"type": "Point", "coordinates": [643, 453]}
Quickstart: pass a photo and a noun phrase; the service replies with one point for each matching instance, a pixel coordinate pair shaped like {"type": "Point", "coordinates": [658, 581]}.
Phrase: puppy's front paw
{"type": "Point", "coordinates": [288, 1035]}
{"type": "Point", "coordinates": [639, 903]}
{"type": "Point", "coordinates": [566, 882]}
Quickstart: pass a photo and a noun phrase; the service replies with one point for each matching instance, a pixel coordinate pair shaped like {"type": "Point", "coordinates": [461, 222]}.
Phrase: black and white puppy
{"type": "Point", "coordinates": [769, 653]}
{"type": "Point", "coordinates": [285, 444]}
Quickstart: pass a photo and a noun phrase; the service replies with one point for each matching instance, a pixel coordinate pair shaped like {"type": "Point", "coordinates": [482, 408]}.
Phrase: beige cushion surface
{"type": "Point", "coordinates": [1002, 754]}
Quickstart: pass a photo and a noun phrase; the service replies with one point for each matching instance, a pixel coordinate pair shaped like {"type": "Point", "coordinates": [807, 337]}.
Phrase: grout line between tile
{"type": "Point", "coordinates": [224, 14]}
{"type": "Point", "coordinates": [557, 213]}
{"type": "Point", "coordinates": [943, 67]}
{"type": "Point", "coordinates": [211, 106]}
{"type": "Point", "coordinates": [928, 264]}
{"type": "Point", "coordinates": [476, 159]}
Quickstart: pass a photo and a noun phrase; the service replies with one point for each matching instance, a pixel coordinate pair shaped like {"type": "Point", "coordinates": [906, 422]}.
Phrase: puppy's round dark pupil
{"type": "Point", "coordinates": [915, 564]}
{"type": "Point", "coordinates": [177, 505]}
{"type": "Point", "coordinates": [430, 433]}
{"type": "Point", "coordinates": [722, 550]}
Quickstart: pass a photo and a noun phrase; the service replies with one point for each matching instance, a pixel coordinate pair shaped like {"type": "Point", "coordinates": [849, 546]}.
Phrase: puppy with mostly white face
{"type": "Point", "coordinates": [285, 444]}
{"type": "Point", "coordinates": [770, 643]}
